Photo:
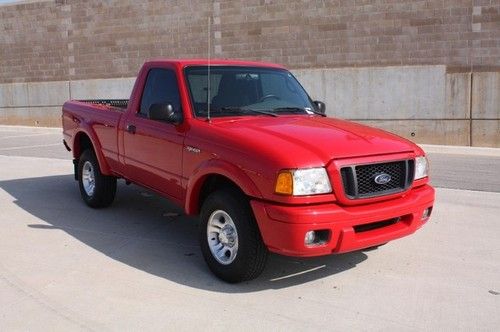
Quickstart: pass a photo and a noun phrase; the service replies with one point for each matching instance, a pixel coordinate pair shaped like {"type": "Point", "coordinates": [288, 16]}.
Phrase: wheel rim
{"type": "Point", "coordinates": [88, 178]}
{"type": "Point", "coordinates": [222, 237]}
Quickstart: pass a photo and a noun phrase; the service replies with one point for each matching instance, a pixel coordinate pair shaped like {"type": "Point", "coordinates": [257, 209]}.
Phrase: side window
{"type": "Point", "coordinates": [161, 87]}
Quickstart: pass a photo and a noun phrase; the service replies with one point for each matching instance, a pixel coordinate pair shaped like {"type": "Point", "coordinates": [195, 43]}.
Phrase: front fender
{"type": "Point", "coordinates": [216, 167]}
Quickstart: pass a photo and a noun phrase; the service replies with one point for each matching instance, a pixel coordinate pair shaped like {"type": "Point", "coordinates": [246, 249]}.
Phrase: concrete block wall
{"type": "Point", "coordinates": [410, 101]}
{"type": "Point", "coordinates": [427, 70]}
{"type": "Point", "coordinates": [486, 109]}
{"type": "Point", "coordinates": [425, 104]}
{"type": "Point", "coordinates": [34, 103]}
{"type": "Point", "coordinates": [40, 103]}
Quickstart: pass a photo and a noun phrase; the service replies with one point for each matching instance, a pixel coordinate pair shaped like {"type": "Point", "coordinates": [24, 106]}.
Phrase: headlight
{"type": "Point", "coordinates": [421, 167]}
{"type": "Point", "coordinates": [300, 182]}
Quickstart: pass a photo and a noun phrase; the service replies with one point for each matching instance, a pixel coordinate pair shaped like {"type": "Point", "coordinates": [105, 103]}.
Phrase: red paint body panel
{"type": "Point", "coordinates": [250, 151]}
{"type": "Point", "coordinates": [283, 227]}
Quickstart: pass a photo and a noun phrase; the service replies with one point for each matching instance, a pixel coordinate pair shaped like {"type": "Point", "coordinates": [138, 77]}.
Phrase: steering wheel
{"type": "Point", "coordinates": [269, 96]}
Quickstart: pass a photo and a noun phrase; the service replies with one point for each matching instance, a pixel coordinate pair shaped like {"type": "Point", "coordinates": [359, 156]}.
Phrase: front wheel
{"type": "Point", "coordinates": [229, 237]}
{"type": "Point", "coordinates": [97, 190]}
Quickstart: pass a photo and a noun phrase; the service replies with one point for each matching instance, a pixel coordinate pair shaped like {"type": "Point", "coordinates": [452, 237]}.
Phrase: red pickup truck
{"type": "Point", "coordinates": [242, 145]}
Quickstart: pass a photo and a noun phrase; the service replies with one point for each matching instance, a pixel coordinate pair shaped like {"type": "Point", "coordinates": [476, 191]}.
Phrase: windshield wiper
{"type": "Point", "coordinates": [301, 109]}
{"type": "Point", "coordinates": [247, 110]}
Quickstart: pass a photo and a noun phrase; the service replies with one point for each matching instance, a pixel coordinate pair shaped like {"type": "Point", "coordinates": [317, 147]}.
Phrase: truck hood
{"type": "Point", "coordinates": [313, 139]}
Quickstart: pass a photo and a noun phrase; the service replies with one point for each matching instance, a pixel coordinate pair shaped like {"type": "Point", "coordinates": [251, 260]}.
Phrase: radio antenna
{"type": "Point", "coordinates": [208, 73]}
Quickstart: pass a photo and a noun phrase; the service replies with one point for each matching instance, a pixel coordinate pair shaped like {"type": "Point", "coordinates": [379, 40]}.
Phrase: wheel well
{"type": "Point", "coordinates": [82, 143]}
{"type": "Point", "coordinates": [213, 183]}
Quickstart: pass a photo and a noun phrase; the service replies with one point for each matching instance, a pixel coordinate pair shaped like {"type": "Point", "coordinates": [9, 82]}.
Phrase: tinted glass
{"type": "Point", "coordinates": [237, 89]}
{"type": "Point", "coordinates": [161, 87]}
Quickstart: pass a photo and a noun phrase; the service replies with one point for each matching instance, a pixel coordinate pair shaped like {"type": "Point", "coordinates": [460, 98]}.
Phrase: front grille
{"type": "Point", "coordinates": [359, 180]}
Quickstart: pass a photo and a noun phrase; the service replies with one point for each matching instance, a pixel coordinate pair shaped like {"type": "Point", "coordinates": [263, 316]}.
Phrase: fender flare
{"type": "Point", "coordinates": [216, 167]}
{"type": "Point", "coordinates": [96, 145]}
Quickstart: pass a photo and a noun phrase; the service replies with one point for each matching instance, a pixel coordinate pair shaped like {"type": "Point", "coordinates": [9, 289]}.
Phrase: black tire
{"type": "Point", "coordinates": [251, 255]}
{"type": "Point", "coordinates": [105, 186]}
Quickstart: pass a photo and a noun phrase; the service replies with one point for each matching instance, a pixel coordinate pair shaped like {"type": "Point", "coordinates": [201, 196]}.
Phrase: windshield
{"type": "Point", "coordinates": [246, 91]}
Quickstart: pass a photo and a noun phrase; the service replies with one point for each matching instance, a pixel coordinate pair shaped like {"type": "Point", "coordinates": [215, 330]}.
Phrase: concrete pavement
{"type": "Point", "coordinates": [137, 265]}
{"type": "Point", "coordinates": [463, 167]}
{"type": "Point", "coordinates": [32, 142]}
{"type": "Point", "coordinates": [451, 166]}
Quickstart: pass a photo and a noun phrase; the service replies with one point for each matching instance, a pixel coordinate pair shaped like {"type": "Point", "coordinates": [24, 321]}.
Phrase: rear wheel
{"type": "Point", "coordinates": [229, 237]}
{"type": "Point", "coordinates": [97, 190]}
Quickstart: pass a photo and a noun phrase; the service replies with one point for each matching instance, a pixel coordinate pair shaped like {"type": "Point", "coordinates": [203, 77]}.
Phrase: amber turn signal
{"type": "Point", "coordinates": [284, 183]}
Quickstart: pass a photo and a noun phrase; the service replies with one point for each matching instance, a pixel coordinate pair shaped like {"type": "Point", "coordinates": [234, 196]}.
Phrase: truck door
{"type": "Point", "coordinates": [153, 149]}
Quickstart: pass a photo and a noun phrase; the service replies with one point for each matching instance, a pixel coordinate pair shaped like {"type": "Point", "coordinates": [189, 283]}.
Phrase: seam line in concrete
{"type": "Point", "coordinates": [12, 128]}
{"type": "Point", "coordinates": [425, 119]}
{"type": "Point", "coordinates": [40, 299]}
{"type": "Point", "coordinates": [37, 158]}
{"type": "Point", "coordinates": [28, 147]}
{"type": "Point", "coordinates": [23, 136]}
{"type": "Point", "coordinates": [30, 106]}
{"type": "Point", "coordinates": [464, 150]}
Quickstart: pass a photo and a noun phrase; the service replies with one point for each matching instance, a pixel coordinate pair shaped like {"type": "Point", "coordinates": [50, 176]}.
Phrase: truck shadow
{"type": "Point", "coordinates": [149, 233]}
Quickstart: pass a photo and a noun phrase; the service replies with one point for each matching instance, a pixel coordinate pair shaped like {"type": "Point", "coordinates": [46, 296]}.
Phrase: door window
{"type": "Point", "coordinates": [161, 87]}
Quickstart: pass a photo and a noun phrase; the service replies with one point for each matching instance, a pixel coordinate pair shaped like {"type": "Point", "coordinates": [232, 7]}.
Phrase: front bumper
{"type": "Point", "coordinates": [283, 228]}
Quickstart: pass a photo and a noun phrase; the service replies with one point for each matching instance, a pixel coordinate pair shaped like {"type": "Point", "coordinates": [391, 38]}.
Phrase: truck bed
{"type": "Point", "coordinates": [119, 103]}
{"type": "Point", "coordinates": [98, 116]}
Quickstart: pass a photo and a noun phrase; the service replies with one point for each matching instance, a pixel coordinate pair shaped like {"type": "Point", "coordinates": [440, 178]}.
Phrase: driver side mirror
{"type": "Point", "coordinates": [320, 106]}
{"type": "Point", "coordinates": [164, 112]}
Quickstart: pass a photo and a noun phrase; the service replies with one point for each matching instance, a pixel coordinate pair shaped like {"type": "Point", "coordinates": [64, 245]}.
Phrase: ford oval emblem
{"type": "Point", "coordinates": [382, 178]}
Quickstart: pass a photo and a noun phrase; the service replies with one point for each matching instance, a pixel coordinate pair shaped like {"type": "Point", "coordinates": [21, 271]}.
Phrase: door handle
{"type": "Point", "coordinates": [131, 128]}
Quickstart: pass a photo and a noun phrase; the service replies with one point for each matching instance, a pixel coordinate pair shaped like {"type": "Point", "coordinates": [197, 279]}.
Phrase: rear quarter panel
{"type": "Point", "coordinates": [99, 123]}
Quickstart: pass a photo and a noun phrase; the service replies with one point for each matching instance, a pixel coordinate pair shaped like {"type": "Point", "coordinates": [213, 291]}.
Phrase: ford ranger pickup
{"type": "Point", "coordinates": [243, 146]}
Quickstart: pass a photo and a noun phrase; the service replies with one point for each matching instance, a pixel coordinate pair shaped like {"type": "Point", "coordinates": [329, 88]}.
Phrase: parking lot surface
{"type": "Point", "coordinates": [137, 265]}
